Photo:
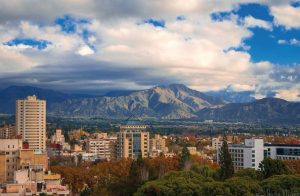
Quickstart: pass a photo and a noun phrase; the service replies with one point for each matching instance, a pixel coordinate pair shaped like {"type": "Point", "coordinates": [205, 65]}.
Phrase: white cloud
{"type": "Point", "coordinates": [249, 21]}
{"type": "Point", "coordinates": [85, 50]}
{"type": "Point", "coordinates": [290, 95]}
{"type": "Point", "coordinates": [191, 51]}
{"type": "Point", "coordinates": [286, 15]}
{"type": "Point", "coordinates": [294, 42]}
{"type": "Point", "coordinates": [281, 41]}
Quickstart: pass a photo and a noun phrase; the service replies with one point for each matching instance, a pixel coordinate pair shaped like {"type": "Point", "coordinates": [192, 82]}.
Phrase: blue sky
{"type": "Point", "coordinates": [207, 45]}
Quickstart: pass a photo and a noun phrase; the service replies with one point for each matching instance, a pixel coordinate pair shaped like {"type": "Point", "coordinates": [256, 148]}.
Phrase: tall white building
{"type": "Point", "coordinates": [247, 155]}
{"type": "Point", "coordinates": [31, 121]}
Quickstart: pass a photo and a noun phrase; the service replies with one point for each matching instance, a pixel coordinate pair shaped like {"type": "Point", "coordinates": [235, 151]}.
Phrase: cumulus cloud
{"type": "Point", "coordinates": [293, 41]}
{"type": "Point", "coordinates": [250, 21]}
{"type": "Point", "coordinates": [286, 15]}
{"type": "Point", "coordinates": [113, 49]}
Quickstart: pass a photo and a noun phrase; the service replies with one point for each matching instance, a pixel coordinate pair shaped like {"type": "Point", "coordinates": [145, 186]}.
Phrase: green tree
{"type": "Point", "coordinates": [281, 185]}
{"type": "Point", "coordinates": [215, 189]}
{"type": "Point", "coordinates": [248, 172]}
{"type": "Point", "coordinates": [226, 165]}
{"type": "Point", "coordinates": [176, 183]}
{"type": "Point", "coordinates": [269, 167]}
{"type": "Point", "coordinates": [243, 186]}
{"type": "Point", "coordinates": [204, 170]}
{"type": "Point", "coordinates": [185, 158]}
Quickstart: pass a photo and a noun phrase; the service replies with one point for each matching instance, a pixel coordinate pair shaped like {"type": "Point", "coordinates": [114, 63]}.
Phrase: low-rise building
{"type": "Point", "coordinates": [157, 146]}
{"type": "Point", "coordinates": [102, 147]}
{"type": "Point", "coordinates": [9, 154]}
{"type": "Point", "coordinates": [282, 151]}
{"type": "Point", "coordinates": [216, 143]}
{"type": "Point", "coordinates": [8, 132]}
{"type": "Point", "coordinates": [247, 155]}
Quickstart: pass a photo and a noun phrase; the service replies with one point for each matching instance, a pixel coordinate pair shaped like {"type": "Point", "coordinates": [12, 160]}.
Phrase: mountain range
{"type": "Point", "coordinates": [175, 101]}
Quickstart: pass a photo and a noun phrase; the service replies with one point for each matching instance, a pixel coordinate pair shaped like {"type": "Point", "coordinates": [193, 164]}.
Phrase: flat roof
{"type": "Point", "coordinates": [283, 145]}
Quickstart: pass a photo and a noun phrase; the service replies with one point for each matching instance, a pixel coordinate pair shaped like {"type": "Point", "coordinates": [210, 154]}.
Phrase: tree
{"type": "Point", "coordinates": [175, 183]}
{"type": "Point", "coordinates": [226, 165]}
{"type": "Point", "coordinates": [293, 165]}
{"type": "Point", "coordinates": [269, 167]}
{"type": "Point", "coordinates": [185, 158]}
{"type": "Point", "coordinates": [204, 171]}
{"type": "Point", "coordinates": [248, 172]}
{"type": "Point", "coordinates": [281, 185]}
{"type": "Point", "coordinates": [243, 186]}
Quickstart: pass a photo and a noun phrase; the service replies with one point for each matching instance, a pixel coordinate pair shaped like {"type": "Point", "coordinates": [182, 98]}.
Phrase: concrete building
{"type": "Point", "coordinates": [58, 137]}
{"type": "Point", "coordinates": [34, 181]}
{"type": "Point", "coordinates": [13, 158]}
{"type": "Point", "coordinates": [102, 147]}
{"type": "Point", "coordinates": [78, 134]}
{"type": "Point", "coordinates": [247, 155]}
{"type": "Point", "coordinates": [282, 151]}
{"type": "Point", "coordinates": [31, 121]}
{"type": "Point", "coordinates": [133, 141]}
{"type": "Point", "coordinates": [157, 145]}
{"type": "Point", "coordinates": [9, 157]}
{"type": "Point", "coordinates": [216, 143]}
{"type": "Point", "coordinates": [8, 132]}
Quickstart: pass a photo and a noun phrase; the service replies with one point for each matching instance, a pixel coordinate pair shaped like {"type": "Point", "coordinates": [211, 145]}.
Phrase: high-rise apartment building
{"type": "Point", "coordinates": [133, 141]}
{"type": "Point", "coordinates": [31, 121]}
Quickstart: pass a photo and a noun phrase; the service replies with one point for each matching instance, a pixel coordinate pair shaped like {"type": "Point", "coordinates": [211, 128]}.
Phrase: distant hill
{"type": "Point", "coordinates": [9, 96]}
{"type": "Point", "coordinates": [267, 110]}
{"type": "Point", "coordinates": [174, 101]}
{"type": "Point", "coordinates": [233, 96]}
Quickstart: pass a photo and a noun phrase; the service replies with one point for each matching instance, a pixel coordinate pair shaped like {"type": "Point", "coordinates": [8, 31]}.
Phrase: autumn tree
{"type": "Point", "coordinates": [226, 165]}
{"type": "Point", "coordinates": [269, 167]}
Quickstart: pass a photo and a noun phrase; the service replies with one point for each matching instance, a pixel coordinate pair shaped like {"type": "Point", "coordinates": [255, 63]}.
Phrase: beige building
{"type": "Point", "coordinates": [102, 147]}
{"type": "Point", "coordinates": [157, 146]}
{"type": "Point", "coordinates": [31, 121]}
{"type": "Point", "coordinates": [78, 134]}
{"type": "Point", "coordinates": [8, 132]}
{"type": "Point", "coordinates": [58, 137]}
{"type": "Point", "coordinates": [132, 141]}
{"type": "Point", "coordinates": [9, 153]}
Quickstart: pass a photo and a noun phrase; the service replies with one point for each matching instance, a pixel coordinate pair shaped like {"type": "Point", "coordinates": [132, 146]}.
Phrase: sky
{"type": "Point", "coordinates": [97, 46]}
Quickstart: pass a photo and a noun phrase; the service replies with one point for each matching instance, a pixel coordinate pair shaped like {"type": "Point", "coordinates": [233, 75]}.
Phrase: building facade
{"type": "Point", "coordinates": [31, 122]}
{"type": "Point", "coordinates": [282, 151]}
{"type": "Point", "coordinates": [102, 148]}
{"type": "Point", "coordinates": [9, 157]}
{"type": "Point", "coordinates": [157, 146]}
{"type": "Point", "coordinates": [8, 132]}
{"type": "Point", "coordinates": [247, 155]}
{"type": "Point", "coordinates": [133, 141]}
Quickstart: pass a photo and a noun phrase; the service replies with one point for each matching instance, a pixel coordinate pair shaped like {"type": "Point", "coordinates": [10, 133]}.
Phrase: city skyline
{"type": "Point", "coordinates": [100, 46]}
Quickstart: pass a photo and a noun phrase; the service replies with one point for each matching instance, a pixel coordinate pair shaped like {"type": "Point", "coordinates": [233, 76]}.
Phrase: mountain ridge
{"type": "Point", "coordinates": [174, 101]}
